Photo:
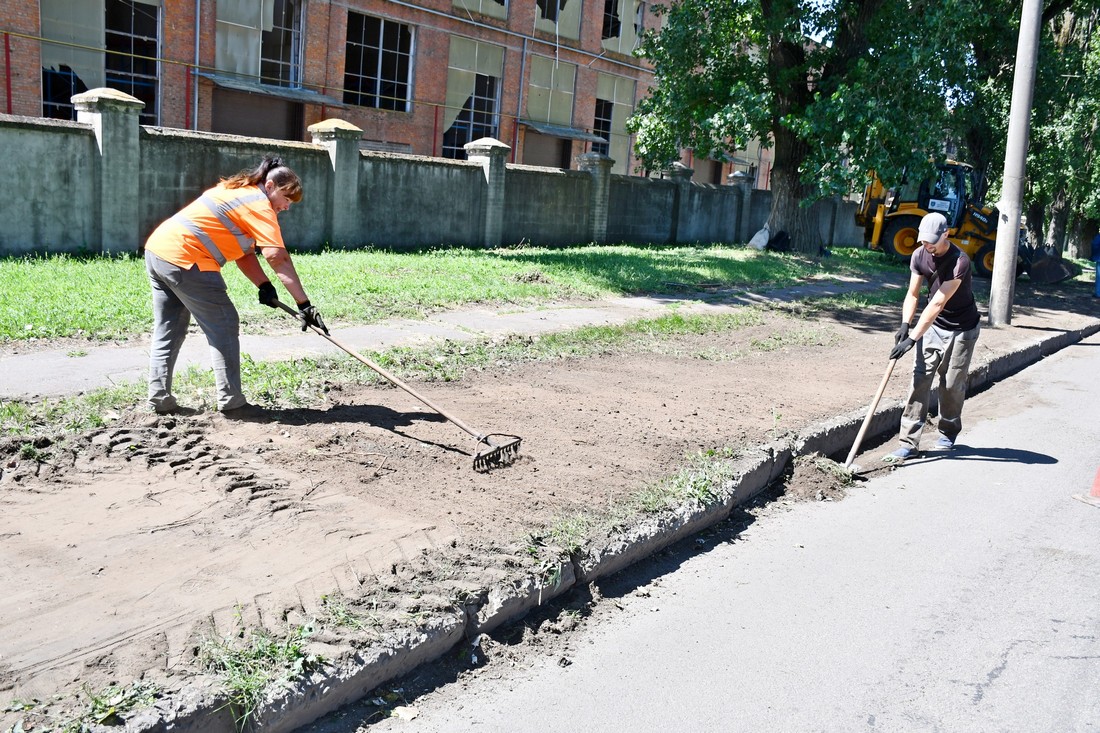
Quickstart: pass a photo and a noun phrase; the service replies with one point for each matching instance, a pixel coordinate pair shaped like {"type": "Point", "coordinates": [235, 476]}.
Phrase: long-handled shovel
{"type": "Point", "coordinates": [489, 455]}
{"type": "Point", "coordinates": [870, 413]}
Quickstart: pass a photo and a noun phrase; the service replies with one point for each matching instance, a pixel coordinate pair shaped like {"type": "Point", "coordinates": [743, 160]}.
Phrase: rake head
{"type": "Point", "coordinates": [495, 455]}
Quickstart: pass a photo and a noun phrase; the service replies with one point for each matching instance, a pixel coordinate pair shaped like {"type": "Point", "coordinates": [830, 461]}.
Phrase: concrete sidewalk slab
{"type": "Point", "coordinates": [28, 374]}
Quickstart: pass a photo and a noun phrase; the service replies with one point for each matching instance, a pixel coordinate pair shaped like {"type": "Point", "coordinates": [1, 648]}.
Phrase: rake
{"type": "Point", "coordinates": [490, 454]}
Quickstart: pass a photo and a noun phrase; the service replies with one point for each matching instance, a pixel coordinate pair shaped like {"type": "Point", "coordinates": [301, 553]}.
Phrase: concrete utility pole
{"type": "Point", "coordinates": [1019, 124]}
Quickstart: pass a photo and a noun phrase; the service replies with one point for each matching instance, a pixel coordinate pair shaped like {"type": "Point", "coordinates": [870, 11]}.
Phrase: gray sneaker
{"type": "Point", "coordinates": [943, 443]}
{"type": "Point", "coordinates": [901, 455]}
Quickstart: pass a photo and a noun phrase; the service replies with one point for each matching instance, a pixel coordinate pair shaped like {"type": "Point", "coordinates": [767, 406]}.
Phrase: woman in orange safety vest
{"type": "Point", "coordinates": [184, 256]}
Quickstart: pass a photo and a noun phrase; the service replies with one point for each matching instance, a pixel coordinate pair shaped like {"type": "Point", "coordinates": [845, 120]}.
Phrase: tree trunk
{"type": "Point", "coordinates": [1035, 218]}
{"type": "Point", "coordinates": [1059, 217]}
{"type": "Point", "coordinates": [788, 192]}
{"type": "Point", "coordinates": [1077, 245]}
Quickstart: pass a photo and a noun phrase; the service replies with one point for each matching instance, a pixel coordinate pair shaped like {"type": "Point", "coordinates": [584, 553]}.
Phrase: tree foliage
{"type": "Point", "coordinates": [1062, 159]}
{"type": "Point", "coordinates": [840, 87]}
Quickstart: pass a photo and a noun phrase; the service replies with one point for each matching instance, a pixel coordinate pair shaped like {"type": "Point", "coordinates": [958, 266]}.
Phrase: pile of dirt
{"type": "Point", "coordinates": [816, 478]}
{"type": "Point", "coordinates": [127, 548]}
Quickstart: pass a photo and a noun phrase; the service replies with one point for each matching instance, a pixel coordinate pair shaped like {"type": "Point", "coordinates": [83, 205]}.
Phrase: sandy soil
{"type": "Point", "coordinates": [127, 546]}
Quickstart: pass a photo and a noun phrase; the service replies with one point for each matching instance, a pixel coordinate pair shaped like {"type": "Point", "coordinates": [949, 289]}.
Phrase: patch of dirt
{"type": "Point", "coordinates": [816, 478]}
{"type": "Point", "coordinates": [124, 548]}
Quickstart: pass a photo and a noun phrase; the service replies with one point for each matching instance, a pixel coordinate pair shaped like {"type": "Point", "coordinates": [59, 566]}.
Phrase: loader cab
{"type": "Point", "coordinates": [949, 192]}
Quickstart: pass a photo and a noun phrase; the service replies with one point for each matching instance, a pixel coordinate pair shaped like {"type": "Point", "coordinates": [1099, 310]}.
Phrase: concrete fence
{"type": "Point", "coordinates": [104, 182]}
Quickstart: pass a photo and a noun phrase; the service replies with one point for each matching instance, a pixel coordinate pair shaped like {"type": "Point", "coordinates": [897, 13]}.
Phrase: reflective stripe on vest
{"type": "Point", "coordinates": [200, 235]}
{"type": "Point", "coordinates": [221, 210]}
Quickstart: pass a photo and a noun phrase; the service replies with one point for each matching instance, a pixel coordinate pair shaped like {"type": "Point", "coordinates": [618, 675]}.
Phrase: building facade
{"type": "Point", "coordinates": [551, 78]}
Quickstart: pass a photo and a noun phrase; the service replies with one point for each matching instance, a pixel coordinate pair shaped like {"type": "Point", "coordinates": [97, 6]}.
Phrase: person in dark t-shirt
{"type": "Point", "coordinates": [946, 334]}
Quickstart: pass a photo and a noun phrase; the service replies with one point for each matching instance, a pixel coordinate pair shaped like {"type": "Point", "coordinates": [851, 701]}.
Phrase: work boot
{"type": "Point", "coordinates": [247, 412]}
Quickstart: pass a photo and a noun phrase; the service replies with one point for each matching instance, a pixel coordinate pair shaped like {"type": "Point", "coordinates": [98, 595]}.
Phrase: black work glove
{"type": "Point", "coordinates": [311, 317]}
{"type": "Point", "coordinates": [901, 347]}
{"type": "Point", "coordinates": [902, 334]}
{"type": "Point", "coordinates": [268, 295]}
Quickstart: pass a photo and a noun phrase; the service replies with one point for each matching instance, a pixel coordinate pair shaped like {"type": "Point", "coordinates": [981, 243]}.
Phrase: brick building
{"type": "Point", "coordinates": [551, 78]}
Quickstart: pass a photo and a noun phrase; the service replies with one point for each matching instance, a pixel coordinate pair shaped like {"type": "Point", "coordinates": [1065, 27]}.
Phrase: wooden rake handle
{"type": "Point", "coordinates": [389, 377]}
{"type": "Point", "coordinates": [870, 413]}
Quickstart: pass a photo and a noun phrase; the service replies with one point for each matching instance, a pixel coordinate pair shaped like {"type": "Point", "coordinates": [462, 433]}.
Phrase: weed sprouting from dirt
{"type": "Point", "coordinates": [571, 532]}
{"type": "Point", "coordinates": [814, 477]}
{"type": "Point", "coordinates": [84, 711]}
{"type": "Point", "coordinates": [702, 481]}
{"type": "Point", "coordinates": [338, 612]}
{"type": "Point", "coordinates": [107, 706]}
{"type": "Point", "coordinates": [253, 662]}
{"type": "Point", "coordinates": [30, 452]}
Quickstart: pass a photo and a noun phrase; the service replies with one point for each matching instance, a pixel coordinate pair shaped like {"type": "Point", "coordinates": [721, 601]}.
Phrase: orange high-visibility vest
{"type": "Point", "coordinates": [222, 225]}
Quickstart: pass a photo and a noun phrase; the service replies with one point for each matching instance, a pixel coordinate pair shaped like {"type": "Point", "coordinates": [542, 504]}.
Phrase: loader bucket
{"type": "Point", "coordinates": [1047, 269]}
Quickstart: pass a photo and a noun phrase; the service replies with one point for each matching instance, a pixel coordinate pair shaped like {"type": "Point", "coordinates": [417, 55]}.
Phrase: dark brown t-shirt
{"type": "Point", "coordinates": [961, 312]}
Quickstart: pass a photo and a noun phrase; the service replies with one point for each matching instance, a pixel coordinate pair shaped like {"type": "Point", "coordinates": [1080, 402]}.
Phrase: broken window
{"type": "Point", "coordinates": [99, 43]}
{"type": "Point", "coordinates": [377, 63]}
{"type": "Point", "coordinates": [601, 125]}
{"type": "Point", "coordinates": [618, 36]}
{"type": "Point", "coordinates": [611, 24]}
{"type": "Point", "coordinates": [260, 40]}
{"type": "Point", "coordinates": [477, 119]}
{"type": "Point", "coordinates": [560, 17]}
{"type": "Point", "coordinates": [473, 94]}
{"type": "Point", "coordinates": [550, 91]}
{"type": "Point", "coordinates": [492, 8]}
{"type": "Point", "coordinates": [131, 63]}
{"type": "Point", "coordinates": [614, 105]}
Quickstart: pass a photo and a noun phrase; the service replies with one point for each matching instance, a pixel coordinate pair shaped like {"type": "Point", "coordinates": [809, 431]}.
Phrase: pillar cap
{"type": "Point", "coordinates": [102, 98]}
{"type": "Point", "coordinates": [594, 160]}
{"type": "Point", "coordinates": [680, 171]}
{"type": "Point", "coordinates": [485, 145]}
{"type": "Point", "coordinates": [334, 127]}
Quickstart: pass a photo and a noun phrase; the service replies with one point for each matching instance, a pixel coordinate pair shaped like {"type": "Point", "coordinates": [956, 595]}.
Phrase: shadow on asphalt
{"type": "Point", "coordinates": [998, 455]}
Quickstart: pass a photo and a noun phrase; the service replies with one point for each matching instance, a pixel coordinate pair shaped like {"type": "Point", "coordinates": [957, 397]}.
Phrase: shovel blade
{"type": "Point", "coordinates": [1048, 270]}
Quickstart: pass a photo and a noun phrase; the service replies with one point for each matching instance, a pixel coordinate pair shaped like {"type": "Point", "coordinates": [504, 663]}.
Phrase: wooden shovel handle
{"type": "Point", "coordinates": [870, 413]}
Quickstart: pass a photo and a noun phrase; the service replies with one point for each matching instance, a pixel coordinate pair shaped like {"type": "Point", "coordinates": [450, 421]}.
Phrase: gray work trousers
{"type": "Point", "coordinates": [179, 294]}
{"type": "Point", "coordinates": [948, 354]}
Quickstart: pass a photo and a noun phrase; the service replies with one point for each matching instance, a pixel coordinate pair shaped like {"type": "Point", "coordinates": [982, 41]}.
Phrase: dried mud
{"type": "Point", "coordinates": [126, 547]}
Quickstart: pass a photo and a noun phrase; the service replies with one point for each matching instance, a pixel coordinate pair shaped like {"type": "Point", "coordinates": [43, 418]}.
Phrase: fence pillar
{"type": "Point", "coordinates": [341, 139]}
{"type": "Point", "coordinates": [493, 157]}
{"type": "Point", "coordinates": [743, 182]}
{"type": "Point", "coordinates": [113, 116]}
{"type": "Point", "coordinates": [599, 167]}
{"type": "Point", "coordinates": [679, 174]}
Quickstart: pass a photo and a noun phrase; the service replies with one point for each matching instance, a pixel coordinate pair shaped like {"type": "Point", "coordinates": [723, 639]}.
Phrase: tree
{"type": "Point", "coordinates": [1062, 175]}
{"type": "Point", "coordinates": [838, 88]}
{"type": "Point", "coordinates": [1063, 157]}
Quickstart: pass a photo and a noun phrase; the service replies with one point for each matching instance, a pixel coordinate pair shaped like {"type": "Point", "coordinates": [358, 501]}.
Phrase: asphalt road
{"type": "Point", "coordinates": [956, 593]}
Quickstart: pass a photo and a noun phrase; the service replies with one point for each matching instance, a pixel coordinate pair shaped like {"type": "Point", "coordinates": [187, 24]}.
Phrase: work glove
{"type": "Point", "coordinates": [901, 347]}
{"type": "Point", "coordinates": [902, 334]}
{"type": "Point", "coordinates": [268, 295]}
{"type": "Point", "coordinates": [311, 317]}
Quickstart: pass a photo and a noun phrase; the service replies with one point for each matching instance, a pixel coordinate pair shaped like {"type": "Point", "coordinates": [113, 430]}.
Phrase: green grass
{"type": "Point", "coordinates": [255, 661]}
{"type": "Point", "coordinates": [104, 298]}
{"type": "Point", "coordinates": [304, 381]}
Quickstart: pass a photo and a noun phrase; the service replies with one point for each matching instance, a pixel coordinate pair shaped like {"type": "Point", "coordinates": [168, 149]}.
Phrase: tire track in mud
{"type": "Point", "coordinates": [186, 450]}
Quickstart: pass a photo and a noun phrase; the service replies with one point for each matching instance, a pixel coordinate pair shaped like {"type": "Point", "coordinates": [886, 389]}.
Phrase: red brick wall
{"type": "Point", "coordinates": [325, 29]}
{"type": "Point", "coordinates": [24, 77]}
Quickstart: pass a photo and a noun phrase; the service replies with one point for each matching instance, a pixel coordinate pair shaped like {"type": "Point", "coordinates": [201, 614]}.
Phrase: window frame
{"type": "Point", "coordinates": [358, 97]}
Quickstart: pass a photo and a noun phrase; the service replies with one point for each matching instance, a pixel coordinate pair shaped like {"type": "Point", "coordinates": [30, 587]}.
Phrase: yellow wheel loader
{"type": "Point", "coordinates": [890, 218]}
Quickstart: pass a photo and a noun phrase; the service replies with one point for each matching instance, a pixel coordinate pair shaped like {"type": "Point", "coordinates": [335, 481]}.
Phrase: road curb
{"type": "Point", "coordinates": [200, 708]}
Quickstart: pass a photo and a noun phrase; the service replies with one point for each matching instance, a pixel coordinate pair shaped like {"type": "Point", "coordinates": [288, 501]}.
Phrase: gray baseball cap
{"type": "Point", "coordinates": [932, 227]}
